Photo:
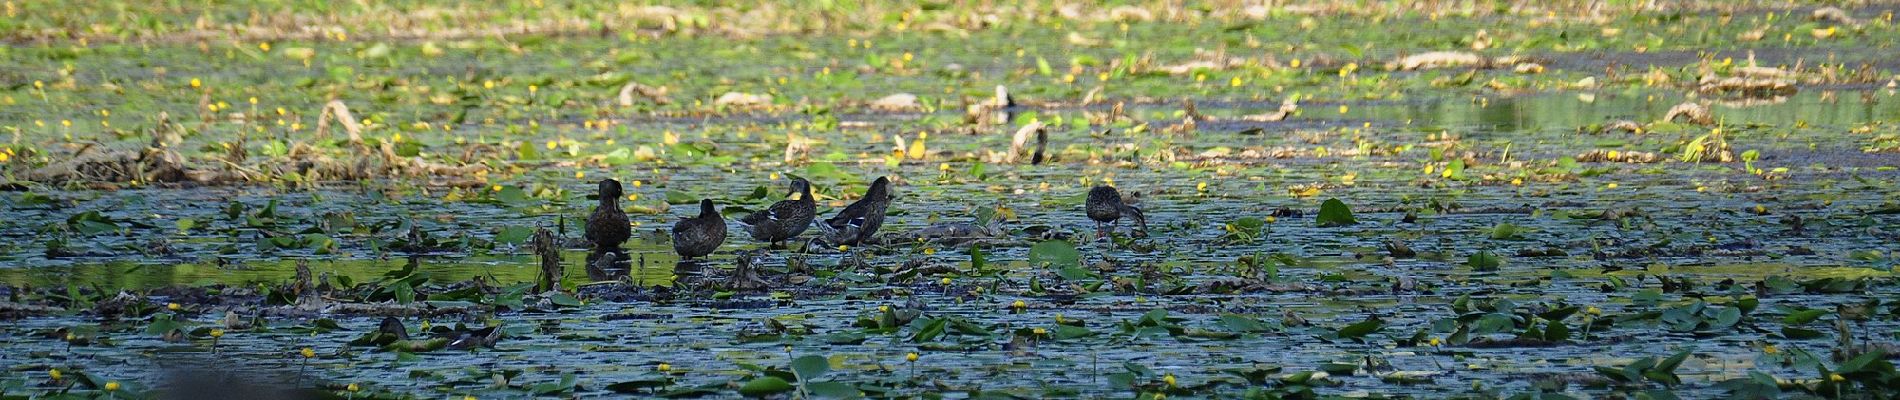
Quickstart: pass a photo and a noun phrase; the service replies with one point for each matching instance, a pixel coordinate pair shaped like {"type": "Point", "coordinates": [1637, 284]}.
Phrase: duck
{"type": "Point", "coordinates": [1105, 207]}
{"type": "Point", "coordinates": [785, 219]}
{"type": "Point", "coordinates": [607, 228]}
{"type": "Point", "coordinates": [860, 220]}
{"type": "Point", "coordinates": [700, 235]}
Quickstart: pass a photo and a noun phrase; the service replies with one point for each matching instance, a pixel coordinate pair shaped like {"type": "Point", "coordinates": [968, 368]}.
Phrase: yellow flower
{"type": "Point", "coordinates": [308, 352]}
{"type": "Point", "coordinates": [1018, 304]}
{"type": "Point", "coordinates": [217, 333]}
{"type": "Point", "coordinates": [113, 386]}
{"type": "Point", "coordinates": [55, 374]}
{"type": "Point", "coordinates": [173, 306]}
{"type": "Point", "coordinates": [1293, 64]}
{"type": "Point", "coordinates": [664, 367]}
{"type": "Point", "coordinates": [1435, 342]}
{"type": "Point", "coordinates": [930, 251]}
{"type": "Point", "coordinates": [495, 188]}
{"type": "Point", "coordinates": [66, 123]}
{"type": "Point", "coordinates": [636, 183]}
{"type": "Point", "coordinates": [579, 174]}
{"type": "Point", "coordinates": [195, 83]}
{"type": "Point", "coordinates": [264, 46]}
{"type": "Point", "coordinates": [844, 248]}
{"type": "Point", "coordinates": [1040, 331]}
{"type": "Point", "coordinates": [1234, 82]}
{"type": "Point", "coordinates": [4, 157]}
{"type": "Point", "coordinates": [945, 280]}
{"type": "Point", "coordinates": [1202, 187]}
{"type": "Point", "coordinates": [1343, 108]}
{"type": "Point", "coordinates": [912, 357]}
{"type": "Point", "coordinates": [1271, 219]}
{"type": "Point", "coordinates": [1612, 185]}
{"type": "Point", "coordinates": [1593, 310]}
{"type": "Point", "coordinates": [1169, 379]}
{"type": "Point", "coordinates": [1835, 377]}
{"type": "Point", "coordinates": [353, 388]}
{"type": "Point", "coordinates": [883, 308]}
{"type": "Point", "coordinates": [1770, 349]}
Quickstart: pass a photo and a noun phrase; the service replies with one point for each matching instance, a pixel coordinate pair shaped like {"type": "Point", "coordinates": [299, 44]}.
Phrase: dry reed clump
{"type": "Point", "coordinates": [1689, 112]}
{"type": "Point", "coordinates": [158, 162]}
{"type": "Point", "coordinates": [1621, 126]}
{"type": "Point", "coordinates": [656, 95]}
{"type": "Point", "coordinates": [736, 100]}
{"type": "Point", "coordinates": [898, 102]}
{"type": "Point", "coordinates": [1632, 157]}
{"type": "Point", "coordinates": [371, 162]}
{"type": "Point", "coordinates": [92, 163]}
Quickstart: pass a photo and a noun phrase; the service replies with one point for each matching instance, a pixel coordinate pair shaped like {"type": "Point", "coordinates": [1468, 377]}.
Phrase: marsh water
{"type": "Point", "coordinates": [1512, 232]}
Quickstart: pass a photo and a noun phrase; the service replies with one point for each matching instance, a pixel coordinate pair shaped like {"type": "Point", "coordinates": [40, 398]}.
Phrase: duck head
{"type": "Point", "coordinates": [609, 190]}
{"type": "Point", "coordinates": [802, 188]}
{"type": "Point", "coordinates": [880, 189]}
{"type": "Point", "coordinates": [706, 209]}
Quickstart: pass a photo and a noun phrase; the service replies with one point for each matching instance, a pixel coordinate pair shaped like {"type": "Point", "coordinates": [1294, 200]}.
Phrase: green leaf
{"type": "Point", "coordinates": [514, 235]}
{"type": "Point", "coordinates": [1361, 329]}
{"type": "Point", "coordinates": [833, 390]}
{"type": "Point", "coordinates": [1243, 324]}
{"type": "Point", "coordinates": [1055, 253]}
{"type": "Point", "coordinates": [1802, 317]}
{"type": "Point", "coordinates": [680, 197]}
{"type": "Point", "coordinates": [513, 195]}
{"type": "Point", "coordinates": [639, 385]}
{"type": "Point", "coordinates": [1483, 261]}
{"type": "Point", "coordinates": [564, 300]}
{"type": "Point", "coordinates": [1335, 213]}
{"type": "Point", "coordinates": [1065, 332]}
{"type": "Point", "coordinates": [810, 367]}
{"type": "Point", "coordinates": [765, 386]}
{"type": "Point", "coordinates": [1800, 334]}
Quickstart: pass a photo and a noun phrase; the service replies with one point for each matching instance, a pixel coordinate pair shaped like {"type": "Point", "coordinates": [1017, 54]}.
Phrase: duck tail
{"type": "Point", "coordinates": [1135, 212]}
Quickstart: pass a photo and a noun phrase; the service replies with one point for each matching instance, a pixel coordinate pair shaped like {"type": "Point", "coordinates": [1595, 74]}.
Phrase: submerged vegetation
{"type": "Point", "coordinates": [1472, 199]}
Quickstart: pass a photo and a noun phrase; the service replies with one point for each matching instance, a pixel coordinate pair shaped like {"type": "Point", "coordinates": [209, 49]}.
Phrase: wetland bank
{"type": "Point", "coordinates": [1583, 199]}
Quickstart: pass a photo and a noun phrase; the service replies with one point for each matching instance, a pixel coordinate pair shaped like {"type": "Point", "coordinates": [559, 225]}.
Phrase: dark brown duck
{"type": "Point", "coordinates": [700, 235]}
{"type": "Point", "coordinates": [785, 219]}
{"type": "Point", "coordinates": [1105, 207]}
{"type": "Point", "coordinates": [607, 228]}
{"type": "Point", "coordinates": [860, 220]}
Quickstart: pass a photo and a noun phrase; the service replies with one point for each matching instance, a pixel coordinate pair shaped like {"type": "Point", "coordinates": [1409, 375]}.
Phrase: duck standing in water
{"type": "Point", "coordinates": [608, 226]}
{"type": "Point", "coordinates": [785, 219]}
{"type": "Point", "coordinates": [858, 221]}
{"type": "Point", "coordinates": [698, 236]}
{"type": "Point", "coordinates": [1105, 207]}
